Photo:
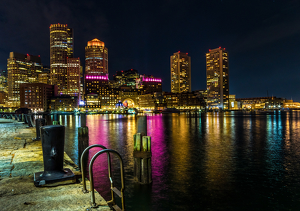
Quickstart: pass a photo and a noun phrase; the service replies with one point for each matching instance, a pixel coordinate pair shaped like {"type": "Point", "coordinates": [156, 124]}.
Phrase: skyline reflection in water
{"type": "Point", "coordinates": [211, 161]}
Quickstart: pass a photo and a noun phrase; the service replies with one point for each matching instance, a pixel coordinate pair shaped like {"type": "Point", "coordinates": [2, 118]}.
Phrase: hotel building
{"type": "Point", "coordinates": [180, 72]}
{"type": "Point", "coordinates": [217, 79]}
{"type": "Point", "coordinates": [61, 47]}
{"type": "Point", "coordinates": [21, 68]}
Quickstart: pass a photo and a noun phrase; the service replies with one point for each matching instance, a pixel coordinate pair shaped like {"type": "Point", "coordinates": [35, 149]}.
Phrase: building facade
{"type": "Point", "coordinates": [37, 96]}
{"type": "Point", "coordinates": [217, 79]}
{"type": "Point", "coordinates": [61, 48]}
{"type": "Point", "coordinates": [73, 72]}
{"type": "Point", "coordinates": [180, 72]}
{"type": "Point", "coordinates": [64, 103]}
{"type": "Point", "coordinates": [96, 58]}
{"type": "Point", "coordinates": [21, 68]}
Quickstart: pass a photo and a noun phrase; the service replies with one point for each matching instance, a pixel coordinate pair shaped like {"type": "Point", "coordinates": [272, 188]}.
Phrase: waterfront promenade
{"type": "Point", "coordinates": [20, 158]}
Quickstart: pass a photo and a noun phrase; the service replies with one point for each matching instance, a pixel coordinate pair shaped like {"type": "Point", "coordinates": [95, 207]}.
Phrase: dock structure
{"type": "Point", "coordinates": [20, 158]}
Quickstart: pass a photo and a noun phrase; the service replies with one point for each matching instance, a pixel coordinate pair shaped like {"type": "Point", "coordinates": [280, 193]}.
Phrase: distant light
{"type": "Point", "coordinates": [81, 102]}
{"type": "Point", "coordinates": [178, 51]}
{"type": "Point", "coordinates": [209, 49]}
{"type": "Point", "coordinates": [220, 47]}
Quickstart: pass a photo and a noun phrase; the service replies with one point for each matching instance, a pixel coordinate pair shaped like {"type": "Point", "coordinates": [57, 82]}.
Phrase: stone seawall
{"type": "Point", "coordinates": [20, 158]}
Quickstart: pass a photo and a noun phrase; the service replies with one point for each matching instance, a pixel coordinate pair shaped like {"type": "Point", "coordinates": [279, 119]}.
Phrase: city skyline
{"type": "Point", "coordinates": [261, 38]}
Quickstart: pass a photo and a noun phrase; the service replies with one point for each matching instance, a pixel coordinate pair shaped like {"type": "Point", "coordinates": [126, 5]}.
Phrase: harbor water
{"type": "Point", "coordinates": [208, 161]}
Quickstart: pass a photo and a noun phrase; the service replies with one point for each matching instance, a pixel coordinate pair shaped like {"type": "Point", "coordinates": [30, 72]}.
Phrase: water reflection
{"type": "Point", "coordinates": [212, 161]}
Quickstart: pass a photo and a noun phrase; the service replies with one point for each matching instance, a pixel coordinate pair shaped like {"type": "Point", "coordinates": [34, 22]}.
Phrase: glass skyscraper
{"type": "Point", "coordinates": [61, 48]}
{"type": "Point", "coordinates": [180, 72]}
{"type": "Point", "coordinates": [217, 79]}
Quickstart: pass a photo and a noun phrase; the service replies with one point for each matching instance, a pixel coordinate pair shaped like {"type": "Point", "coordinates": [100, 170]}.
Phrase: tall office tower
{"type": "Point", "coordinates": [70, 43]}
{"type": "Point", "coordinates": [96, 58]}
{"type": "Point", "coordinates": [217, 79]}
{"type": "Point", "coordinates": [3, 80]}
{"type": "Point", "coordinates": [21, 68]}
{"type": "Point", "coordinates": [180, 72]}
{"type": "Point", "coordinates": [61, 47]}
{"type": "Point", "coordinates": [73, 71]}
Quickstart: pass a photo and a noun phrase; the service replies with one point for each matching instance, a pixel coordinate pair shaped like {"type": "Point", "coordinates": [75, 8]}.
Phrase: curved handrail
{"type": "Point", "coordinates": [84, 190]}
{"type": "Point", "coordinates": [91, 176]}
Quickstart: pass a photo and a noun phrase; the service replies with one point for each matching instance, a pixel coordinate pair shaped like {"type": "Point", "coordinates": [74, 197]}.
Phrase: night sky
{"type": "Point", "coordinates": [262, 37]}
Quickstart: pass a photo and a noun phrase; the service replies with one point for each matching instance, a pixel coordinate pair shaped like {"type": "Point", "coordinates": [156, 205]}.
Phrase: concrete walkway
{"type": "Point", "coordinates": [20, 158]}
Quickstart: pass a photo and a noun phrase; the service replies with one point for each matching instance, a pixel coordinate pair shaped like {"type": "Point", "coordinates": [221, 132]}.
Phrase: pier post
{"type": "Point", "coordinates": [142, 159]}
{"type": "Point", "coordinates": [55, 119]}
{"type": "Point", "coordinates": [142, 125]}
{"type": "Point", "coordinates": [83, 137]}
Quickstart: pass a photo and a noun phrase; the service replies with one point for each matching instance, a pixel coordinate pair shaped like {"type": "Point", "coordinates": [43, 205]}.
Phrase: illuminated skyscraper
{"type": "Point", "coordinates": [180, 72]}
{"type": "Point", "coordinates": [61, 47]}
{"type": "Point", "coordinates": [21, 68]}
{"type": "Point", "coordinates": [217, 79]}
{"type": "Point", "coordinates": [96, 58]}
{"type": "Point", "coordinates": [73, 71]}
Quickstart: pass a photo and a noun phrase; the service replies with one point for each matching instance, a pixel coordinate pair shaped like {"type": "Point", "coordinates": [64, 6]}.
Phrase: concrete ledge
{"type": "Point", "coordinates": [20, 158]}
{"type": "Point", "coordinates": [19, 193]}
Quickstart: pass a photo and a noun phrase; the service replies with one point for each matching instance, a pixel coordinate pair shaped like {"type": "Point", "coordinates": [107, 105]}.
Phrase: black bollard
{"type": "Point", "coordinates": [29, 121]}
{"type": "Point", "coordinates": [25, 119]}
{"type": "Point", "coordinates": [38, 124]}
{"type": "Point", "coordinates": [53, 140]}
{"type": "Point", "coordinates": [20, 117]}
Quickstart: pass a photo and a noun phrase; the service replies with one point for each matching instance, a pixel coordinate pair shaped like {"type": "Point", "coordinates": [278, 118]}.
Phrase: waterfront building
{"type": "Point", "coordinates": [37, 96]}
{"type": "Point", "coordinates": [233, 104]}
{"type": "Point", "coordinates": [290, 105]}
{"type": "Point", "coordinates": [152, 101]}
{"type": "Point", "coordinates": [73, 72]}
{"type": "Point", "coordinates": [64, 103]}
{"type": "Point", "coordinates": [260, 103]}
{"type": "Point", "coordinates": [61, 48]}
{"type": "Point", "coordinates": [98, 93]}
{"type": "Point", "coordinates": [185, 101]}
{"type": "Point", "coordinates": [149, 84]}
{"type": "Point", "coordinates": [217, 79]}
{"type": "Point", "coordinates": [180, 72]}
{"type": "Point", "coordinates": [21, 68]}
{"type": "Point", "coordinates": [96, 58]}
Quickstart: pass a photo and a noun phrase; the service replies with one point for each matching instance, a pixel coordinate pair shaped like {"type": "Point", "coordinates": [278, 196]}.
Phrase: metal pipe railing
{"type": "Point", "coordinates": [84, 190]}
{"type": "Point", "coordinates": [113, 189]}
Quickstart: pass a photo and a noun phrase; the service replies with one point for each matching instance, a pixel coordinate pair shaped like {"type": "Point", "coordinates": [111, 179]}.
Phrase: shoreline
{"type": "Point", "coordinates": [20, 158]}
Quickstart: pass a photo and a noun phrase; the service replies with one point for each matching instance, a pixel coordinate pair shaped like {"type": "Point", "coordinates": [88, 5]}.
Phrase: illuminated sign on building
{"type": "Point", "coordinates": [152, 79]}
{"type": "Point", "coordinates": [96, 77]}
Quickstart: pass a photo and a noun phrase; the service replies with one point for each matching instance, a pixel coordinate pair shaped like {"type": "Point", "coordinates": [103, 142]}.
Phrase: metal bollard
{"type": "Point", "coordinates": [25, 119]}
{"type": "Point", "coordinates": [53, 139]}
{"type": "Point", "coordinates": [20, 117]}
{"type": "Point", "coordinates": [38, 124]}
{"type": "Point", "coordinates": [29, 121]}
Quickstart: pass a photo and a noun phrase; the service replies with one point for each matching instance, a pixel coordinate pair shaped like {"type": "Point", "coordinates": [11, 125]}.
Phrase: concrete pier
{"type": "Point", "coordinates": [20, 158]}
